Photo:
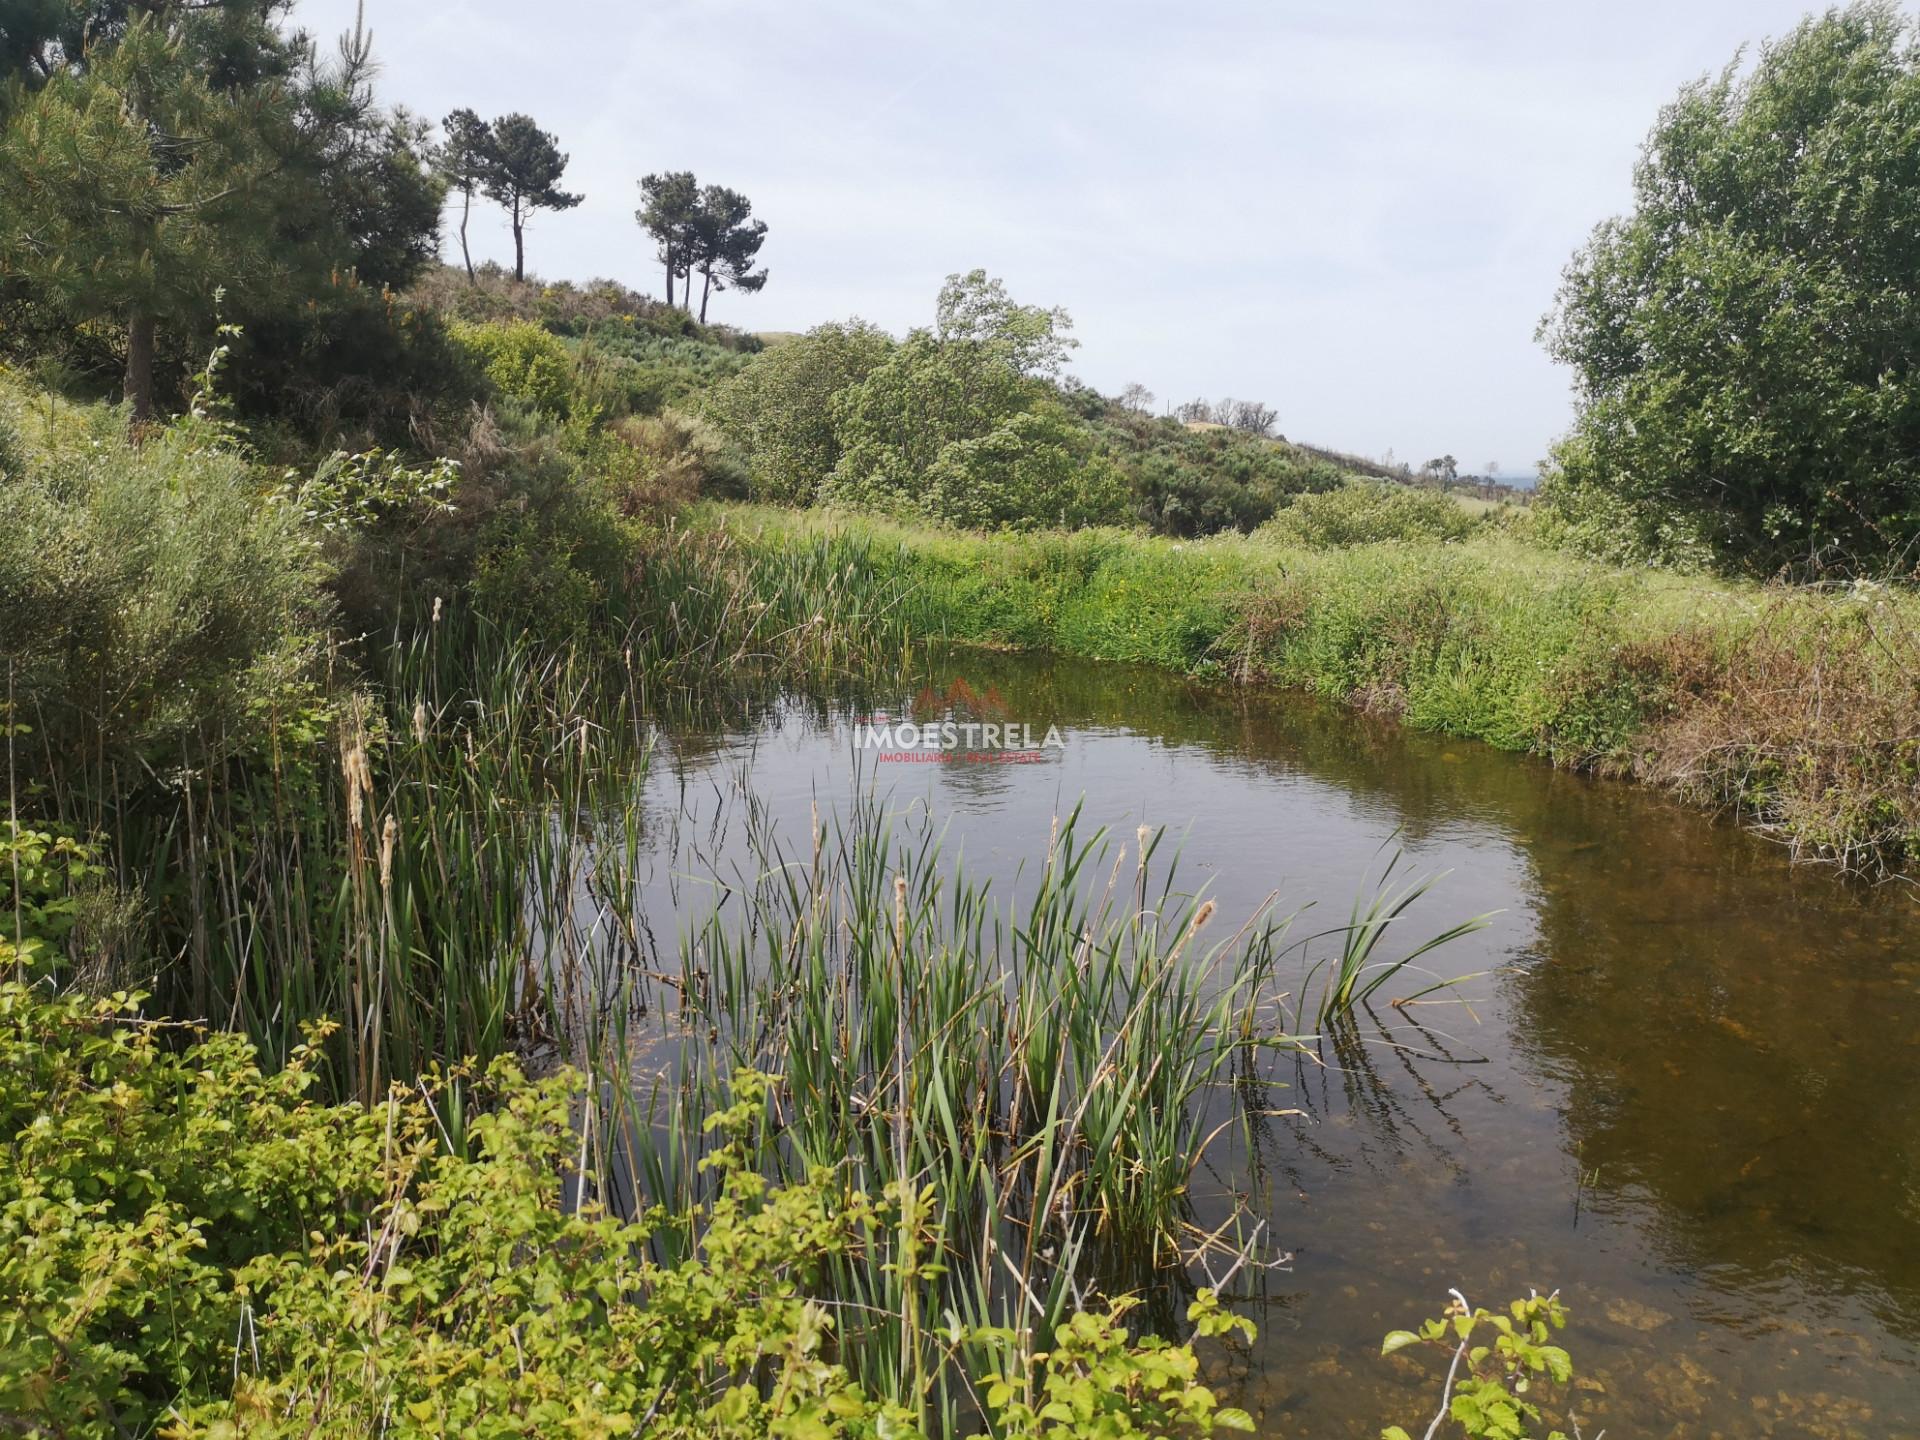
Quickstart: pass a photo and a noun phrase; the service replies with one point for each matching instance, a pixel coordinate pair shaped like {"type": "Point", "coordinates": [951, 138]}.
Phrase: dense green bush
{"type": "Point", "coordinates": [622, 370]}
{"type": "Point", "coordinates": [522, 361]}
{"type": "Point", "coordinates": [1036, 468]}
{"type": "Point", "coordinates": [151, 600]}
{"type": "Point", "coordinates": [961, 424]}
{"type": "Point", "coordinates": [1189, 481]}
{"type": "Point", "coordinates": [1743, 341]}
{"type": "Point", "coordinates": [779, 410]}
{"type": "Point", "coordinates": [1365, 513]}
{"type": "Point", "coordinates": [188, 1241]}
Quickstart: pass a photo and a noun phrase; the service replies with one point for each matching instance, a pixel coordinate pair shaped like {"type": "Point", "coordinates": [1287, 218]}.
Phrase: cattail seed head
{"type": "Point", "coordinates": [389, 834]}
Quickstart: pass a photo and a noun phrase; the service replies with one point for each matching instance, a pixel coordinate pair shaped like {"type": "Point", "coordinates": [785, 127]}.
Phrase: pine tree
{"type": "Point", "coordinates": [463, 163]}
{"type": "Point", "coordinates": [726, 241]}
{"type": "Point", "coordinates": [134, 188]}
{"type": "Point", "coordinates": [670, 212]}
{"type": "Point", "coordinates": [523, 174]}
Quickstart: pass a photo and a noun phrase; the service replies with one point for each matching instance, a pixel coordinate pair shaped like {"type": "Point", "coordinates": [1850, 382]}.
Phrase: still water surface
{"type": "Point", "coordinates": [1687, 1095]}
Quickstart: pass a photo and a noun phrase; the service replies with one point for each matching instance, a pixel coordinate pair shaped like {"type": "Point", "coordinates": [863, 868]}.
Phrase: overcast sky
{"type": "Point", "coordinates": [1355, 210]}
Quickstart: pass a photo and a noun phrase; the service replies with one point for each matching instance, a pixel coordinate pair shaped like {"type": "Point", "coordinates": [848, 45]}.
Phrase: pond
{"type": "Point", "coordinates": [1685, 1092]}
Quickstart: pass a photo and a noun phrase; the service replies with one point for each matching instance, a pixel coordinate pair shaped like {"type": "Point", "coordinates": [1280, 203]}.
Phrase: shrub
{"type": "Point", "coordinates": [1364, 513]}
{"type": "Point", "coordinates": [351, 369]}
{"type": "Point", "coordinates": [151, 600]}
{"type": "Point", "coordinates": [1187, 481]}
{"type": "Point", "coordinates": [185, 1239]}
{"type": "Point", "coordinates": [779, 410]}
{"type": "Point", "coordinates": [622, 370]}
{"type": "Point", "coordinates": [523, 361]}
{"type": "Point", "coordinates": [1038, 468]}
{"type": "Point", "coordinates": [672, 460]}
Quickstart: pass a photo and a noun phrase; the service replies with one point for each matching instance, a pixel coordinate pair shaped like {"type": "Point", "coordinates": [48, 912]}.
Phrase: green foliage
{"type": "Point", "coordinates": [1188, 481]}
{"type": "Point", "coordinates": [1368, 514]}
{"type": "Point", "coordinates": [779, 410]}
{"type": "Point", "coordinates": [1036, 467]}
{"type": "Point", "coordinates": [164, 1199]}
{"type": "Point", "coordinates": [182, 148]}
{"type": "Point", "coordinates": [193, 1242]}
{"type": "Point", "coordinates": [623, 369]}
{"type": "Point", "coordinates": [974, 312]}
{"type": "Point", "coordinates": [151, 599]}
{"type": "Point", "coordinates": [954, 425]}
{"type": "Point", "coordinates": [1096, 1381]}
{"type": "Point", "coordinates": [1498, 1360]}
{"type": "Point", "coordinates": [43, 874]}
{"type": "Point", "coordinates": [540, 578]}
{"type": "Point", "coordinates": [522, 360]}
{"type": "Point", "coordinates": [1742, 340]}
{"type": "Point", "coordinates": [357, 492]}
{"type": "Point", "coordinates": [520, 169]}
{"type": "Point", "coordinates": [726, 246]}
{"type": "Point", "coordinates": [134, 186]}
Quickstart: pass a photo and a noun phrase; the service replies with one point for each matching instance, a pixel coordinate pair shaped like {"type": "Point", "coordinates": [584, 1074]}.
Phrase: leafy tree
{"type": "Point", "coordinates": [463, 162]}
{"type": "Point", "coordinates": [962, 422]}
{"type": "Point", "coordinates": [726, 240]}
{"type": "Point", "coordinates": [975, 311]}
{"type": "Point", "coordinates": [669, 210]}
{"type": "Point", "coordinates": [524, 166]}
{"type": "Point", "coordinates": [779, 410]}
{"type": "Point", "coordinates": [358, 183]}
{"type": "Point", "coordinates": [1744, 341]}
{"type": "Point", "coordinates": [235, 40]}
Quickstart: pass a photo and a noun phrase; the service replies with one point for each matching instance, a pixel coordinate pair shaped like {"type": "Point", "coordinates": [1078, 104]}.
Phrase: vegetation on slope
{"type": "Point", "coordinates": [1797, 708]}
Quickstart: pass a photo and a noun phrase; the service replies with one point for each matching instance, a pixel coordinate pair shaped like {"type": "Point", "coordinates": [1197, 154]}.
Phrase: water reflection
{"type": "Point", "coordinates": [1688, 1097]}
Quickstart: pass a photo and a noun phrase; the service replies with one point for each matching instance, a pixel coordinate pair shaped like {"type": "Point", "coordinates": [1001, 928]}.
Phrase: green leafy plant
{"type": "Point", "coordinates": [191, 1245]}
{"type": "Point", "coordinates": [1097, 1381]}
{"type": "Point", "coordinates": [1498, 1358]}
{"type": "Point", "coordinates": [522, 359]}
{"type": "Point", "coordinates": [42, 873]}
{"type": "Point", "coordinates": [357, 491]}
{"type": "Point", "coordinates": [1367, 513]}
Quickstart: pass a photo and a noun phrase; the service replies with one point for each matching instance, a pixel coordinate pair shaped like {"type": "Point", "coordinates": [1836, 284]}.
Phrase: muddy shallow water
{"type": "Point", "coordinates": [1687, 1094]}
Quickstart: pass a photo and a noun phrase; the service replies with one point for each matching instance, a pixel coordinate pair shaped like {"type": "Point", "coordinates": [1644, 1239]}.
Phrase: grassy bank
{"type": "Point", "coordinates": [1798, 708]}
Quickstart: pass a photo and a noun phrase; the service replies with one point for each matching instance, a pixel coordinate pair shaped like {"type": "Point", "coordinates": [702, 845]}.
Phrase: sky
{"type": "Point", "coordinates": [1354, 210]}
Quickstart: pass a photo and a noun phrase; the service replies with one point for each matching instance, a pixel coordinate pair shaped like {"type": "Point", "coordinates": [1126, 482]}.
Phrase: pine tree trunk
{"type": "Point", "coordinates": [138, 387]}
{"type": "Point", "coordinates": [706, 291]}
{"type": "Point", "coordinates": [669, 277]}
{"type": "Point", "coordinates": [466, 210]}
{"type": "Point", "coordinates": [519, 246]}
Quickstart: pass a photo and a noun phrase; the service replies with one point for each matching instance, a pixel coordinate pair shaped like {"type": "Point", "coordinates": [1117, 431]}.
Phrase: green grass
{"type": "Point", "coordinates": [1798, 707]}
